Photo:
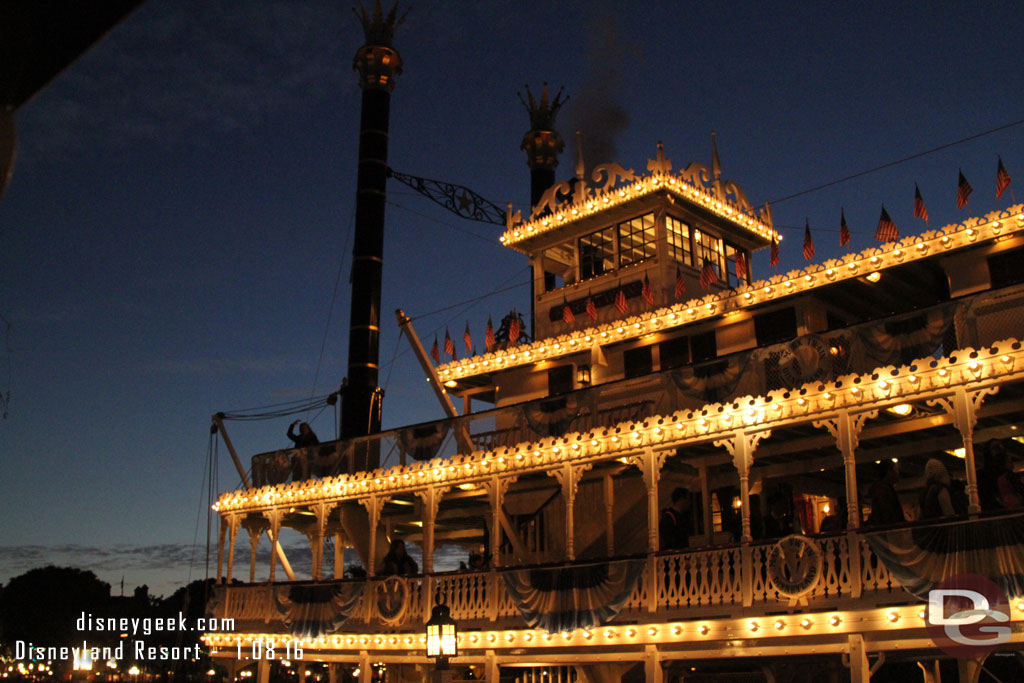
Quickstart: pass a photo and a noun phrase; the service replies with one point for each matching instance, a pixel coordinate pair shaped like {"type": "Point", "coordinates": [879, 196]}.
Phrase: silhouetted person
{"type": "Point", "coordinates": [305, 437]}
{"type": "Point", "coordinates": [885, 502]}
{"type": "Point", "coordinates": [779, 521]}
{"type": "Point", "coordinates": [999, 487]}
{"type": "Point", "coordinates": [676, 521]}
{"type": "Point", "coordinates": [397, 561]}
{"type": "Point", "coordinates": [935, 498]}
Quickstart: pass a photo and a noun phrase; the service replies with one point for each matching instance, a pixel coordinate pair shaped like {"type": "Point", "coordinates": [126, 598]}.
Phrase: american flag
{"type": "Point", "coordinates": [620, 301]}
{"type": "Point", "coordinates": [646, 292]}
{"type": "Point", "coordinates": [468, 339]}
{"type": "Point", "coordinates": [489, 334]}
{"type": "Point", "coordinates": [680, 283]}
{"type": "Point", "coordinates": [773, 255]}
{"type": "Point", "coordinates": [963, 190]}
{"type": "Point", "coordinates": [435, 352]}
{"type": "Point", "coordinates": [449, 345]}
{"type": "Point", "coordinates": [513, 329]}
{"type": "Point", "coordinates": [591, 308]}
{"type": "Point", "coordinates": [886, 231]}
{"type": "Point", "coordinates": [708, 274]}
{"type": "Point", "coordinates": [1002, 179]}
{"type": "Point", "coordinates": [808, 242]}
{"type": "Point", "coordinates": [567, 315]}
{"type": "Point", "coordinates": [741, 266]}
{"type": "Point", "coordinates": [844, 229]}
{"type": "Point", "coordinates": [919, 210]}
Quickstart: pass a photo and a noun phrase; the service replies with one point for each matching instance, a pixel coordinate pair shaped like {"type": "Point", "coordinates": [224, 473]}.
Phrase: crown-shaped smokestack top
{"type": "Point", "coordinates": [543, 113]}
{"type": "Point", "coordinates": [379, 29]}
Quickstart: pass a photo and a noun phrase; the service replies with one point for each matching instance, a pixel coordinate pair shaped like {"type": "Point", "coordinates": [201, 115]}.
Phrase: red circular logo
{"type": "Point", "coordinates": [968, 616]}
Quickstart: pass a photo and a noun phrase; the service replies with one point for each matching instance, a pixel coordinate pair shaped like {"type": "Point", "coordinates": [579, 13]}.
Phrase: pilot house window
{"type": "Point", "coordinates": [597, 253]}
{"type": "Point", "coordinates": [678, 234]}
{"type": "Point", "coordinates": [709, 250]}
{"type": "Point", "coordinates": [636, 239]}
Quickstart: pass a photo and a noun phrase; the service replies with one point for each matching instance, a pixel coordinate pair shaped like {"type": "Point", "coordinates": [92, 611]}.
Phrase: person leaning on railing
{"type": "Point", "coordinates": [935, 498]}
{"type": "Point", "coordinates": [885, 502]}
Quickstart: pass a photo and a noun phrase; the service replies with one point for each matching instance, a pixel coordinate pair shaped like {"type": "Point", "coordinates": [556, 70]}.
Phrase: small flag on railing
{"type": "Point", "coordinates": [435, 352]}
{"type": "Point", "coordinates": [646, 292]}
{"type": "Point", "coordinates": [919, 209]}
{"type": "Point", "coordinates": [513, 329]}
{"type": "Point", "coordinates": [773, 255]}
{"type": "Point", "coordinates": [468, 339]}
{"type": "Point", "coordinates": [844, 229]}
{"type": "Point", "coordinates": [567, 315]}
{"type": "Point", "coordinates": [808, 242]}
{"type": "Point", "coordinates": [680, 283]}
{"type": "Point", "coordinates": [489, 334]}
{"type": "Point", "coordinates": [963, 191]}
{"type": "Point", "coordinates": [708, 276]}
{"type": "Point", "coordinates": [886, 231]}
{"type": "Point", "coordinates": [449, 345]}
{"type": "Point", "coordinates": [620, 301]}
{"type": "Point", "coordinates": [591, 308]}
{"type": "Point", "coordinates": [1002, 179]}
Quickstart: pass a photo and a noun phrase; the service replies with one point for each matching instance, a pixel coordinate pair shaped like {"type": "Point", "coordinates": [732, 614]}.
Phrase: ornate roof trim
{"type": "Point", "coordinates": [615, 185]}
{"type": "Point", "coordinates": [873, 259]}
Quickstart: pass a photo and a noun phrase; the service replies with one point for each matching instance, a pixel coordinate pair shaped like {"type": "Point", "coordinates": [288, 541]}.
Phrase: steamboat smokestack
{"type": "Point", "coordinates": [377, 63]}
{"type": "Point", "coordinates": [542, 143]}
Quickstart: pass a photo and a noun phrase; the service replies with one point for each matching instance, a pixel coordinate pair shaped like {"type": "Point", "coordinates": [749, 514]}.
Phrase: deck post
{"type": "Point", "coordinates": [653, 672]}
{"type": "Point", "coordinates": [860, 670]}
{"type": "Point", "coordinates": [706, 511]}
{"type": "Point", "coordinates": [649, 463]}
{"type": "Point", "coordinates": [431, 498]}
{"type": "Point", "coordinates": [232, 536]}
{"type": "Point", "coordinates": [569, 477]}
{"type": "Point", "coordinates": [492, 671]}
{"type": "Point", "coordinates": [496, 487]}
{"type": "Point", "coordinates": [741, 447]}
{"type": "Point", "coordinates": [254, 541]}
{"type": "Point", "coordinates": [845, 429]}
{"type": "Point", "coordinates": [220, 549]}
{"type": "Point", "coordinates": [609, 515]}
{"type": "Point", "coordinates": [365, 670]}
{"type": "Point", "coordinates": [963, 408]}
{"type": "Point", "coordinates": [263, 670]}
{"type": "Point", "coordinates": [339, 555]}
{"type": "Point", "coordinates": [274, 515]}
{"type": "Point", "coordinates": [374, 504]}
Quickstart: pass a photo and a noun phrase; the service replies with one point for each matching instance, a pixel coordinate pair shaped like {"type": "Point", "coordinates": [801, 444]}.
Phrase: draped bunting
{"type": "Point", "coordinates": [714, 381]}
{"type": "Point", "coordinates": [553, 416]}
{"type": "Point", "coordinates": [310, 611]}
{"type": "Point", "coordinates": [566, 598]}
{"type": "Point", "coordinates": [422, 443]}
{"type": "Point", "coordinates": [923, 557]}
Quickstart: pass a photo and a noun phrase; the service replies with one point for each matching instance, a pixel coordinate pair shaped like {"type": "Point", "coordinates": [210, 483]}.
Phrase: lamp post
{"type": "Point", "coordinates": [442, 642]}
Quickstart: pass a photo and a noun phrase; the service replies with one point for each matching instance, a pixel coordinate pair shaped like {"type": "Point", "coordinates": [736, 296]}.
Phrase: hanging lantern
{"type": "Point", "coordinates": [442, 634]}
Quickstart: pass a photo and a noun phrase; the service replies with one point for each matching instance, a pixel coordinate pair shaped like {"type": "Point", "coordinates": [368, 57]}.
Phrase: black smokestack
{"type": "Point", "coordinates": [542, 143]}
{"type": "Point", "coordinates": [378, 64]}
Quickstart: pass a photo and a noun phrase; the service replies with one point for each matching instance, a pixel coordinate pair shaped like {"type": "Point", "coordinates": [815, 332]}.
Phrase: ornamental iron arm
{"type": "Point", "coordinates": [458, 199]}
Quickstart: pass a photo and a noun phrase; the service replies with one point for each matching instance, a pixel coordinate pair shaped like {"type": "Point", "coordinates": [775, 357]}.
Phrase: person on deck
{"type": "Point", "coordinates": [935, 498]}
{"type": "Point", "coordinates": [885, 502]}
{"type": "Point", "coordinates": [676, 521]}
{"type": "Point", "coordinates": [305, 437]}
{"type": "Point", "coordinates": [397, 561]}
{"type": "Point", "coordinates": [780, 522]}
{"type": "Point", "coordinates": [999, 487]}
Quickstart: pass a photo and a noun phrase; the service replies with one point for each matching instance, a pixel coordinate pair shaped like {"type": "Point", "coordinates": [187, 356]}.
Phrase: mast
{"type": "Point", "coordinates": [377, 63]}
{"type": "Point", "coordinates": [542, 143]}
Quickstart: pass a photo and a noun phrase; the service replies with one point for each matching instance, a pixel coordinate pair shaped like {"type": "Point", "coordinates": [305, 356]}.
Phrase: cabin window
{"type": "Point", "coordinates": [775, 326]}
{"type": "Point", "coordinates": [708, 249]}
{"type": "Point", "coordinates": [597, 253]}
{"type": "Point", "coordinates": [731, 275]}
{"type": "Point", "coordinates": [674, 353]}
{"type": "Point", "coordinates": [560, 380]}
{"type": "Point", "coordinates": [678, 240]}
{"type": "Point", "coordinates": [636, 239]}
{"type": "Point", "coordinates": [1004, 268]}
{"type": "Point", "coordinates": [637, 362]}
{"type": "Point", "coordinates": [704, 346]}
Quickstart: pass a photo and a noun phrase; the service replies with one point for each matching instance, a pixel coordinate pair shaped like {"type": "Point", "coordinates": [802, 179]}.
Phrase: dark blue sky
{"type": "Point", "coordinates": [183, 198]}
